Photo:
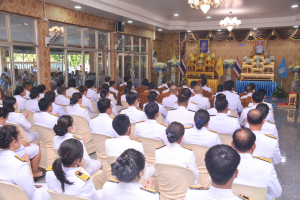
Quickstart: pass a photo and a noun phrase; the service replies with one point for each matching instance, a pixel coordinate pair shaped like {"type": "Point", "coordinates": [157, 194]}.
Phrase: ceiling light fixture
{"type": "Point", "coordinates": [295, 26]}
{"type": "Point", "coordinates": [27, 24]}
{"type": "Point", "coordinates": [208, 17]}
{"type": "Point", "coordinates": [159, 29]}
{"type": "Point", "coordinates": [189, 31]}
{"type": "Point", "coordinates": [254, 29]}
{"type": "Point", "coordinates": [129, 21]}
{"type": "Point", "coordinates": [176, 15]}
{"type": "Point", "coordinates": [230, 23]}
{"type": "Point", "coordinates": [219, 30]}
{"type": "Point", "coordinates": [294, 6]}
{"type": "Point", "coordinates": [204, 5]}
{"type": "Point", "coordinates": [78, 7]}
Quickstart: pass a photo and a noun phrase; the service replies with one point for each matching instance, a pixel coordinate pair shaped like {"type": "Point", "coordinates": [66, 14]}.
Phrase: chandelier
{"type": "Point", "coordinates": [204, 5]}
{"type": "Point", "coordinates": [230, 23]}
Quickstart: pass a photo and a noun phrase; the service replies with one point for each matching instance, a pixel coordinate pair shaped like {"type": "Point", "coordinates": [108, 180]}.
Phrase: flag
{"type": "Point", "coordinates": [182, 67]}
{"type": "Point", "coordinates": [219, 67]}
{"type": "Point", "coordinates": [237, 68]}
{"type": "Point", "coordinates": [282, 69]}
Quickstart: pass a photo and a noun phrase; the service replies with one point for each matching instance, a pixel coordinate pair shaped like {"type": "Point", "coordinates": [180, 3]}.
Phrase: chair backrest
{"type": "Point", "coordinates": [168, 108]}
{"type": "Point", "coordinates": [94, 106]}
{"type": "Point", "coordinates": [124, 104]}
{"type": "Point", "coordinates": [113, 93]}
{"type": "Point", "coordinates": [100, 145]}
{"type": "Point", "coordinates": [55, 152]}
{"type": "Point", "coordinates": [249, 191]}
{"type": "Point", "coordinates": [132, 135]}
{"type": "Point", "coordinates": [58, 196]}
{"type": "Point", "coordinates": [173, 181]}
{"type": "Point", "coordinates": [22, 131]}
{"type": "Point", "coordinates": [233, 113]}
{"type": "Point", "coordinates": [160, 119]}
{"type": "Point", "coordinates": [162, 89]}
{"type": "Point", "coordinates": [10, 191]}
{"type": "Point", "coordinates": [30, 119]}
{"type": "Point", "coordinates": [111, 159]}
{"type": "Point", "coordinates": [144, 98]}
{"type": "Point", "coordinates": [212, 101]}
{"type": "Point", "coordinates": [64, 107]}
{"type": "Point", "coordinates": [225, 138]}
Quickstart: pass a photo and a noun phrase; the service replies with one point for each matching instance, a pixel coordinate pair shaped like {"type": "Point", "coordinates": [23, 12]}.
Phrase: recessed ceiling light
{"type": "Point", "coordinates": [159, 29]}
{"type": "Point", "coordinates": [219, 30]}
{"type": "Point", "coordinates": [27, 24]}
{"type": "Point", "coordinates": [254, 29]}
{"type": "Point", "coordinates": [129, 21]}
{"type": "Point", "coordinates": [78, 7]}
{"type": "Point", "coordinates": [176, 15]}
{"type": "Point", "coordinates": [208, 17]}
{"type": "Point", "coordinates": [294, 6]}
{"type": "Point", "coordinates": [189, 31]}
{"type": "Point", "coordinates": [295, 26]}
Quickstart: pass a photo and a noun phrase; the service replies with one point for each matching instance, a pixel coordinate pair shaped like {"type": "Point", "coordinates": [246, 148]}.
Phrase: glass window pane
{"type": "Point", "coordinates": [143, 67]}
{"type": "Point", "coordinates": [74, 36]}
{"type": "Point", "coordinates": [57, 63]}
{"type": "Point", "coordinates": [136, 44]}
{"type": "Point", "coordinates": [119, 66]}
{"type": "Point", "coordinates": [135, 72]}
{"type": "Point", "coordinates": [58, 30]}
{"type": "Point", "coordinates": [3, 31]}
{"type": "Point", "coordinates": [89, 38]}
{"type": "Point", "coordinates": [5, 79]}
{"type": "Point", "coordinates": [90, 64]}
{"type": "Point", "coordinates": [127, 65]}
{"type": "Point", "coordinates": [120, 42]}
{"type": "Point", "coordinates": [127, 43]}
{"type": "Point", "coordinates": [103, 40]}
{"type": "Point", "coordinates": [22, 29]}
{"type": "Point", "coordinates": [144, 45]}
{"type": "Point", "coordinates": [75, 66]}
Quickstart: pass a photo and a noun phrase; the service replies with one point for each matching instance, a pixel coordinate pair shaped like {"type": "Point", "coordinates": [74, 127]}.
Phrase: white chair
{"type": "Point", "coordinates": [249, 191]}
{"type": "Point", "coordinates": [225, 138]}
{"type": "Point", "coordinates": [58, 196]}
{"type": "Point", "coordinates": [95, 107]}
{"type": "Point", "coordinates": [10, 191]}
{"type": "Point", "coordinates": [110, 160]}
{"type": "Point", "coordinates": [64, 107]}
{"type": "Point", "coordinates": [132, 135]}
{"type": "Point", "coordinates": [173, 180]}
{"type": "Point", "coordinates": [30, 118]}
{"type": "Point", "coordinates": [160, 119]}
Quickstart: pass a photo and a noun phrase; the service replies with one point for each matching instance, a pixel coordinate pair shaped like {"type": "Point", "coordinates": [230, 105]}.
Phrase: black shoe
{"type": "Point", "coordinates": [39, 177]}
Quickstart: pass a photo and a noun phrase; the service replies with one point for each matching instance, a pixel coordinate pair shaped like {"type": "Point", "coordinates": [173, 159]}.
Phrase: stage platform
{"type": "Point", "coordinates": [267, 85]}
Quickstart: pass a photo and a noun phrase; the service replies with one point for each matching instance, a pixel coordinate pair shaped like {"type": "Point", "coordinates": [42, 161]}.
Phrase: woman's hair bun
{"type": "Point", "coordinates": [172, 135]}
{"type": "Point", "coordinates": [60, 130]}
{"type": "Point", "coordinates": [73, 101]}
{"type": "Point", "coordinates": [124, 169]}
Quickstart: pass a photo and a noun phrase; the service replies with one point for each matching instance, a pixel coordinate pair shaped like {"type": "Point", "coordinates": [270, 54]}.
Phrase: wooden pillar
{"type": "Point", "coordinates": [150, 49]}
{"type": "Point", "coordinates": [113, 57]}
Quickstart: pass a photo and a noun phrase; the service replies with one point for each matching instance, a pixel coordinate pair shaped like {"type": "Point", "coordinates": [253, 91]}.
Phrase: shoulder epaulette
{"type": "Point", "coordinates": [192, 110]}
{"type": "Point", "coordinates": [173, 109]}
{"type": "Point", "coordinates": [194, 103]}
{"type": "Point", "coordinates": [113, 180]}
{"type": "Point", "coordinates": [54, 114]}
{"type": "Point", "coordinates": [187, 127]}
{"type": "Point", "coordinates": [82, 176]}
{"type": "Point", "coordinates": [136, 140]}
{"type": "Point", "coordinates": [212, 115]}
{"type": "Point", "coordinates": [271, 136]}
{"type": "Point", "coordinates": [187, 148]}
{"type": "Point", "coordinates": [149, 190]}
{"type": "Point", "coordinates": [264, 159]}
{"type": "Point", "coordinates": [16, 111]}
{"type": "Point", "coordinates": [212, 131]}
{"type": "Point", "coordinates": [271, 122]}
{"type": "Point", "coordinates": [76, 88]}
{"type": "Point", "coordinates": [82, 106]}
{"type": "Point", "coordinates": [23, 160]}
{"type": "Point", "coordinates": [139, 122]}
{"type": "Point", "coordinates": [112, 117]}
{"type": "Point", "coordinates": [49, 168]}
{"type": "Point", "coordinates": [163, 124]}
{"type": "Point", "coordinates": [161, 147]}
{"type": "Point", "coordinates": [232, 116]}
{"type": "Point", "coordinates": [68, 97]}
{"type": "Point", "coordinates": [244, 197]}
{"type": "Point", "coordinates": [57, 104]}
{"type": "Point", "coordinates": [124, 108]}
{"type": "Point", "coordinates": [24, 98]}
{"type": "Point", "coordinates": [88, 97]}
{"type": "Point", "coordinates": [140, 109]}
{"type": "Point", "coordinates": [75, 136]}
{"type": "Point", "coordinates": [94, 117]}
{"type": "Point", "coordinates": [198, 188]}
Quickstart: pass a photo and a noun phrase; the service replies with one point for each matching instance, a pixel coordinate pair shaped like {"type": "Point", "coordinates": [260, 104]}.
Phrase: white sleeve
{"type": "Point", "coordinates": [240, 106]}
{"type": "Point", "coordinates": [24, 122]}
{"type": "Point", "coordinates": [114, 110]}
{"type": "Point", "coordinates": [113, 99]}
{"type": "Point", "coordinates": [271, 116]}
{"type": "Point", "coordinates": [218, 140]}
{"type": "Point", "coordinates": [208, 105]}
{"type": "Point", "coordinates": [275, 131]}
{"type": "Point", "coordinates": [242, 118]}
{"type": "Point", "coordinates": [163, 111]}
{"type": "Point", "coordinates": [237, 125]}
{"type": "Point", "coordinates": [89, 191]}
{"type": "Point", "coordinates": [61, 111]}
{"type": "Point", "coordinates": [277, 155]}
{"type": "Point", "coordinates": [24, 179]}
{"type": "Point", "coordinates": [192, 165]}
{"type": "Point", "coordinates": [90, 106]}
{"type": "Point", "coordinates": [274, 189]}
{"type": "Point", "coordinates": [137, 130]}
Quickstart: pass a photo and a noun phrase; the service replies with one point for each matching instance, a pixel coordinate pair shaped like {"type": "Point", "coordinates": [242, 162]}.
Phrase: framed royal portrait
{"type": "Point", "coordinates": [260, 47]}
{"type": "Point", "coordinates": [203, 45]}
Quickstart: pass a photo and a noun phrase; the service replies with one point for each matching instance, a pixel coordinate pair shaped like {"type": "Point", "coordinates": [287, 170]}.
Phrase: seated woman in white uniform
{"type": "Point", "coordinates": [75, 107]}
{"type": "Point", "coordinates": [128, 169]}
{"type": "Point", "coordinates": [42, 90]}
{"type": "Point", "coordinates": [19, 94]}
{"type": "Point", "coordinates": [105, 94]}
{"type": "Point", "coordinates": [32, 103]}
{"type": "Point", "coordinates": [14, 169]}
{"type": "Point", "coordinates": [199, 134]}
{"type": "Point", "coordinates": [68, 174]}
{"type": "Point", "coordinates": [126, 91]}
{"type": "Point", "coordinates": [63, 131]}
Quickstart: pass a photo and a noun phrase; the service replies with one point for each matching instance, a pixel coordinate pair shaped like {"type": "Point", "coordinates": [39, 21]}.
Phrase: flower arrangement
{"type": "Point", "coordinates": [272, 58]}
{"type": "Point", "coordinates": [248, 61]}
{"type": "Point", "coordinates": [228, 63]}
{"type": "Point", "coordinates": [258, 58]}
{"type": "Point", "coordinates": [160, 67]}
{"type": "Point", "coordinates": [279, 92]}
{"type": "Point", "coordinates": [268, 61]}
{"type": "Point", "coordinates": [295, 68]}
{"type": "Point", "coordinates": [173, 63]}
{"type": "Point", "coordinates": [245, 58]}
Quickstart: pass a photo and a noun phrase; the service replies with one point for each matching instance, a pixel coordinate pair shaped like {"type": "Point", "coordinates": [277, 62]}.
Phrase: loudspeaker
{"type": "Point", "coordinates": [120, 27]}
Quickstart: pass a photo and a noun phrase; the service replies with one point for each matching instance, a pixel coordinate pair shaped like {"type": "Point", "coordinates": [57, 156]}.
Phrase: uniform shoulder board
{"type": "Point", "coordinates": [232, 116]}
{"type": "Point", "coordinates": [16, 111]}
{"type": "Point", "coordinates": [173, 109]}
{"type": "Point", "coordinates": [136, 140]}
{"type": "Point", "coordinates": [212, 115]}
{"type": "Point", "coordinates": [244, 197]}
{"type": "Point", "coordinates": [161, 147]}
{"type": "Point", "coordinates": [264, 159]}
{"type": "Point", "coordinates": [194, 103]}
{"type": "Point", "coordinates": [94, 117]}
{"type": "Point", "coordinates": [271, 122]}
{"type": "Point", "coordinates": [124, 108]}
{"type": "Point", "coordinates": [23, 160]}
{"type": "Point", "coordinates": [187, 127]}
{"type": "Point", "coordinates": [113, 180]}
{"type": "Point", "coordinates": [192, 111]}
{"type": "Point", "coordinates": [49, 168]}
{"type": "Point", "coordinates": [57, 104]}
{"type": "Point", "coordinates": [0, 103]}
{"type": "Point", "coordinates": [187, 148]}
{"type": "Point", "coordinates": [140, 109]}
{"type": "Point", "coordinates": [82, 106]}
{"type": "Point", "coordinates": [75, 136]}
{"type": "Point", "coordinates": [82, 176]}
{"type": "Point", "coordinates": [164, 124]}
{"type": "Point", "coordinates": [149, 190]}
{"type": "Point", "coordinates": [139, 122]}
{"type": "Point", "coordinates": [54, 114]}
{"type": "Point", "coordinates": [271, 136]}
{"type": "Point", "coordinates": [198, 188]}
{"type": "Point", "coordinates": [76, 88]}
{"type": "Point", "coordinates": [88, 97]}
{"type": "Point", "coordinates": [24, 98]}
{"type": "Point", "coordinates": [68, 97]}
{"type": "Point", "coordinates": [112, 117]}
{"type": "Point", "coordinates": [212, 131]}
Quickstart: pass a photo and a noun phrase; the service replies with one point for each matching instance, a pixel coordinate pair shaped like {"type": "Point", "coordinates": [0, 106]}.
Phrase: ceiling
{"type": "Point", "coordinates": [154, 14]}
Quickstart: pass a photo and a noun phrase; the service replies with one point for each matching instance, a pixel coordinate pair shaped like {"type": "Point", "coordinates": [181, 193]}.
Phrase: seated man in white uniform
{"type": "Point", "coordinates": [56, 108]}
{"type": "Point", "coordinates": [42, 90]}
{"type": "Point", "coordinates": [71, 87]}
{"type": "Point", "coordinates": [59, 83]}
{"type": "Point", "coordinates": [193, 84]}
{"type": "Point", "coordinates": [192, 106]}
{"type": "Point", "coordinates": [151, 87]}
{"type": "Point", "coordinates": [254, 171]}
{"type": "Point", "coordinates": [86, 101]}
{"type": "Point", "coordinates": [61, 98]}
{"type": "Point", "coordinates": [185, 84]}
{"type": "Point", "coordinates": [126, 79]}
{"type": "Point", "coordinates": [253, 87]}
{"type": "Point", "coordinates": [107, 80]}
{"type": "Point", "coordinates": [135, 114]}
{"type": "Point", "coordinates": [204, 85]}
{"type": "Point", "coordinates": [45, 117]}
{"type": "Point", "coordinates": [112, 88]}
{"type": "Point", "coordinates": [164, 82]}
{"type": "Point", "coordinates": [75, 107]}
{"type": "Point", "coordinates": [265, 95]}
{"type": "Point", "coordinates": [248, 91]}
{"type": "Point", "coordinates": [266, 145]}
{"type": "Point", "coordinates": [19, 94]}
{"type": "Point", "coordinates": [27, 87]}
{"type": "Point", "coordinates": [91, 92]}
{"type": "Point", "coordinates": [170, 100]}
{"type": "Point", "coordinates": [202, 102]}
{"type": "Point", "coordinates": [32, 103]}
{"type": "Point", "coordinates": [221, 162]}
{"type": "Point", "coordinates": [152, 97]}
{"type": "Point", "coordinates": [169, 85]}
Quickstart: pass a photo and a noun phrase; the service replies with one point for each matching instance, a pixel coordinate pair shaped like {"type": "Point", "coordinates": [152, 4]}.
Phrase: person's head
{"type": "Point", "coordinates": [105, 86]}
{"type": "Point", "coordinates": [129, 84]}
{"type": "Point", "coordinates": [184, 82]}
{"type": "Point", "coordinates": [187, 92]}
{"type": "Point", "coordinates": [126, 78]}
{"type": "Point", "coordinates": [232, 83]}
{"type": "Point", "coordinates": [152, 97]}
{"type": "Point", "coordinates": [60, 83]}
{"type": "Point", "coordinates": [10, 137]}
{"type": "Point", "coordinates": [243, 140]}
{"type": "Point", "coordinates": [19, 91]}
{"type": "Point", "coordinates": [258, 97]}
{"type": "Point", "coordinates": [104, 106]}
{"type": "Point", "coordinates": [83, 89]}
{"type": "Point", "coordinates": [263, 107]}
{"type": "Point", "coordinates": [175, 132]}
{"type": "Point", "coordinates": [145, 82]}
{"type": "Point", "coordinates": [183, 100]}
{"type": "Point", "coordinates": [170, 83]}
{"type": "Point", "coordinates": [131, 98]}
{"type": "Point", "coordinates": [26, 73]}
{"type": "Point", "coordinates": [204, 82]}
{"type": "Point", "coordinates": [248, 89]}
{"type": "Point", "coordinates": [121, 124]}
{"type": "Point", "coordinates": [164, 80]}
{"type": "Point", "coordinates": [152, 110]}
{"type": "Point", "coordinates": [193, 84]}
{"type": "Point", "coordinates": [70, 155]}
{"type": "Point", "coordinates": [27, 85]}
{"type": "Point", "coordinates": [5, 69]}
{"type": "Point", "coordinates": [72, 83]}
{"type": "Point", "coordinates": [34, 93]}
{"type": "Point", "coordinates": [228, 86]}
{"type": "Point", "coordinates": [45, 105]}
{"type": "Point", "coordinates": [50, 96]}
{"type": "Point", "coordinates": [112, 84]}
{"type": "Point", "coordinates": [129, 166]}
{"type": "Point", "coordinates": [221, 162]}
{"type": "Point", "coordinates": [64, 125]}
{"type": "Point", "coordinates": [41, 89]}
{"type": "Point", "coordinates": [220, 88]}
{"type": "Point", "coordinates": [173, 89]}
{"type": "Point", "coordinates": [255, 117]}
{"type": "Point", "coordinates": [252, 86]}
{"type": "Point", "coordinates": [61, 90]}
{"type": "Point", "coordinates": [89, 84]}
{"type": "Point", "coordinates": [221, 104]}
{"type": "Point", "coordinates": [198, 89]}
{"type": "Point", "coordinates": [151, 86]}
{"type": "Point", "coordinates": [201, 119]}
{"type": "Point", "coordinates": [263, 91]}
{"type": "Point", "coordinates": [3, 116]}
{"type": "Point", "coordinates": [107, 79]}
{"type": "Point", "coordinates": [127, 90]}
{"type": "Point", "coordinates": [76, 98]}
{"type": "Point", "coordinates": [104, 93]}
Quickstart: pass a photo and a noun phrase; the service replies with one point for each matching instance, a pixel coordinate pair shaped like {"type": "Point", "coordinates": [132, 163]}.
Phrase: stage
{"type": "Point", "coordinates": [269, 86]}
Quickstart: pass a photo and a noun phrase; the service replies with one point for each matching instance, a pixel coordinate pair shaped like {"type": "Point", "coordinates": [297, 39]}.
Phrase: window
{"type": "Point", "coordinates": [22, 29]}
{"type": "Point", "coordinates": [3, 30]}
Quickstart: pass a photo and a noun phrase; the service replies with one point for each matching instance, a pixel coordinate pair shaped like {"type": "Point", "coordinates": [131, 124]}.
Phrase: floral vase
{"type": "Point", "coordinates": [161, 74]}
{"type": "Point", "coordinates": [228, 71]}
{"type": "Point", "coordinates": [173, 70]}
{"type": "Point", "coordinates": [296, 78]}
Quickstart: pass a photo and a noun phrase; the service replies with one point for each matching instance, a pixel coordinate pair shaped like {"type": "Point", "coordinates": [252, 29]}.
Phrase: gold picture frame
{"type": "Point", "coordinates": [203, 44]}
{"type": "Point", "coordinates": [259, 46]}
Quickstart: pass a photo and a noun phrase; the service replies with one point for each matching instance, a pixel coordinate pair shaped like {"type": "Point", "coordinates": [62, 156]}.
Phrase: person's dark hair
{"type": "Point", "coordinates": [5, 69]}
{"type": "Point", "coordinates": [145, 82]}
{"type": "Point", "coordinates": [131, 97]}
{"type": "Point", "coordinates": [3, 112]}
{"type": "Point", "coordinates": [258, 97]}
{"type": "Point", "coordinates": [129, 84]}
{"type": "Point", "coordinates": [89, 84]}
{"type": "Point", "coordinates": [255, 117]}
{"type": "Point", "coordinates": [105, 86]}
{"type": "Point", "coordinates": [69, 151]}
{"type": "Point", "coordinates": [103, 104]}
{"type": "Point", "coordinates": [63, 123]}
{"type": "Point", "coordinates": [263, 107]}
{"type": "Point", "coordinates": [18, 90]}
{"type": "Point", "coordinates": [220, 96]}
{"type": "Point", "coordinates": [34, 92]}
{"type": "Point", "coordinates": [126, 78]}
{"type": "Point", "coordinates": [61, 90]}
{"type": "Point", "coordinates": [164, 79]}
{"type": "Point", "coordinates": [152, 97]}
{"type": "Point", "coordinates": [104, 92]}
{"type": "Point", "coordinates": [263, 91]}
{"type": "Point", "coordinates": [107, 79]}
{"type": "Point", "coordinates": [243, 139]}
{"type": "Point", "coordinates": [151, 109]}
{"type": "Point", "coordinates": [193, 84]}
{"type": "Point", "coordinates": [8, 133]}
{"type": "Point", "coordinates": [187, 92]}
{"type": "Point", "coordinates": [170, 83]}
{"type": "Point", "coordinates": [184, 82]}
{"type": "Point", "coordinates": [201, 118]}
{"type": "Point", "coordinates": [128, 165]}
{"type": "Point", "coordinates": [231, 82]}
{"type": "Point", "coordinates": [112, 83]}
{"type": "Point", "coordinates": [127, 90]}
{"type": "Point", "coordinates": [26, 84]}
{"type": "Point", "coordinates": [175, 131]}
{"type": "Point", "coordinates": [182, 99]}
{"type": "Point", "coordinates": [41, 88]}
{"type": "Point", "coordinates": [44, 104]}
{"type": "Point", "coordinates": [220, 88]}
{"type": "Point", "coordinates": [248, 89]}
{"type": "Point", "coordinates": [228, 86]}
{"type": "Point", "coordinates": [75, 98]}
{"type": "Point", "coordinates": [252, 86]}
{"type": "Point", "coordinates": [204, 82]}
{"type": "Point", "coordinates": [151, 86]}
{"type": "Point", "coordinates": [121, 123]}
{"type": "Point", "coordinates": [50, 96]}
{"type": "Point", "coordinates": [8, 103]}
{"type": "Point", "coordinates": [221, 162]}
{"type": "Point", "coordinates": [60, 83]}
{"type": "Point", "coordinates": [72, 83]}
{"type": "Point", "coordinates": [82, 89]}
{"type": "Point", "coordinates": [221, 104]}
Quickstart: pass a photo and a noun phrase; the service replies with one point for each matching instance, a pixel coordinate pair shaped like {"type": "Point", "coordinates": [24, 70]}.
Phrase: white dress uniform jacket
{"type": "Point", "coordinates": [62, 100]}
{"type": "Point", "coordinates": [246, 110]}
{"type": "Point", "coordinates": [92, 94]}
{"type": "Point", "coordinates": [182, 115]}
{"type": "Point", "coordinates": [71, 91]}
{"type": "Point", "coordinates": [80, 187]}
{"type": "Point", "coordinates": [213, 111]}
{"type": "Point", "coordinates": [122, 143]}
{"type": "Point", "coordinates": [102, 124]}
{"type": "Point", "coordinates": [92, 165]}
{"type": "Point", "coordinates": [169, 101]}
{"type": "Point", "coordinates": [79, 110]}
{"type": "Point", "coordinates": [45, 119]}
{"type": "Point", "coordinates": [21, 101]}
{"type": "Point", "coordinates": [222, 123]}
{"type": "Point", "coordinates": [111, 89]}
{"type": "Point", "coordinates": [247, 95]}
{"type": "Point", "coordinates": [115, 190]}
{"type": "Point", "coordinates": [151, 129]}
{"type": "Point", "coordinates": [162, 109]}
{"type": "Point", "coordinates": [202, 102]}
{"type": "Point", "coordinates": [135, 114]}
{"type": "Point", "coordinates": [16, 171]}
{"type": "Point", "coordinates": [212, 193]}
{"type": "Point", "coordinates": [203, 137]}
{"type": "Point", "coordinates": [269, 104]}
{"type": "Point", "coordinates": [208, 89]}
{"type": "Point", "coordinates": [27, 94]}
{"type": "Point", "coordinates": [163, 85]}
{"type": "Point", "coordinates": [41, 96]}
{"type": "Point", "coordinates": [87, 102]}
{"type": "Point", "coordinates": [32, 105]}
{"type": "Point", "coordinates": [258, 172]}
{"type": "Point", "coordinates": [19, 118]}
{"type": "Point", "coordinates": [268, 128]}
{"type": "Point", "coordinates": [56, 108]}
{"type": "Point", "coordinates": [165, 91]}
{"type": "Point", "coordinates": [233, 101]}
{"type": "Point", "coordinates": [267, 146]}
